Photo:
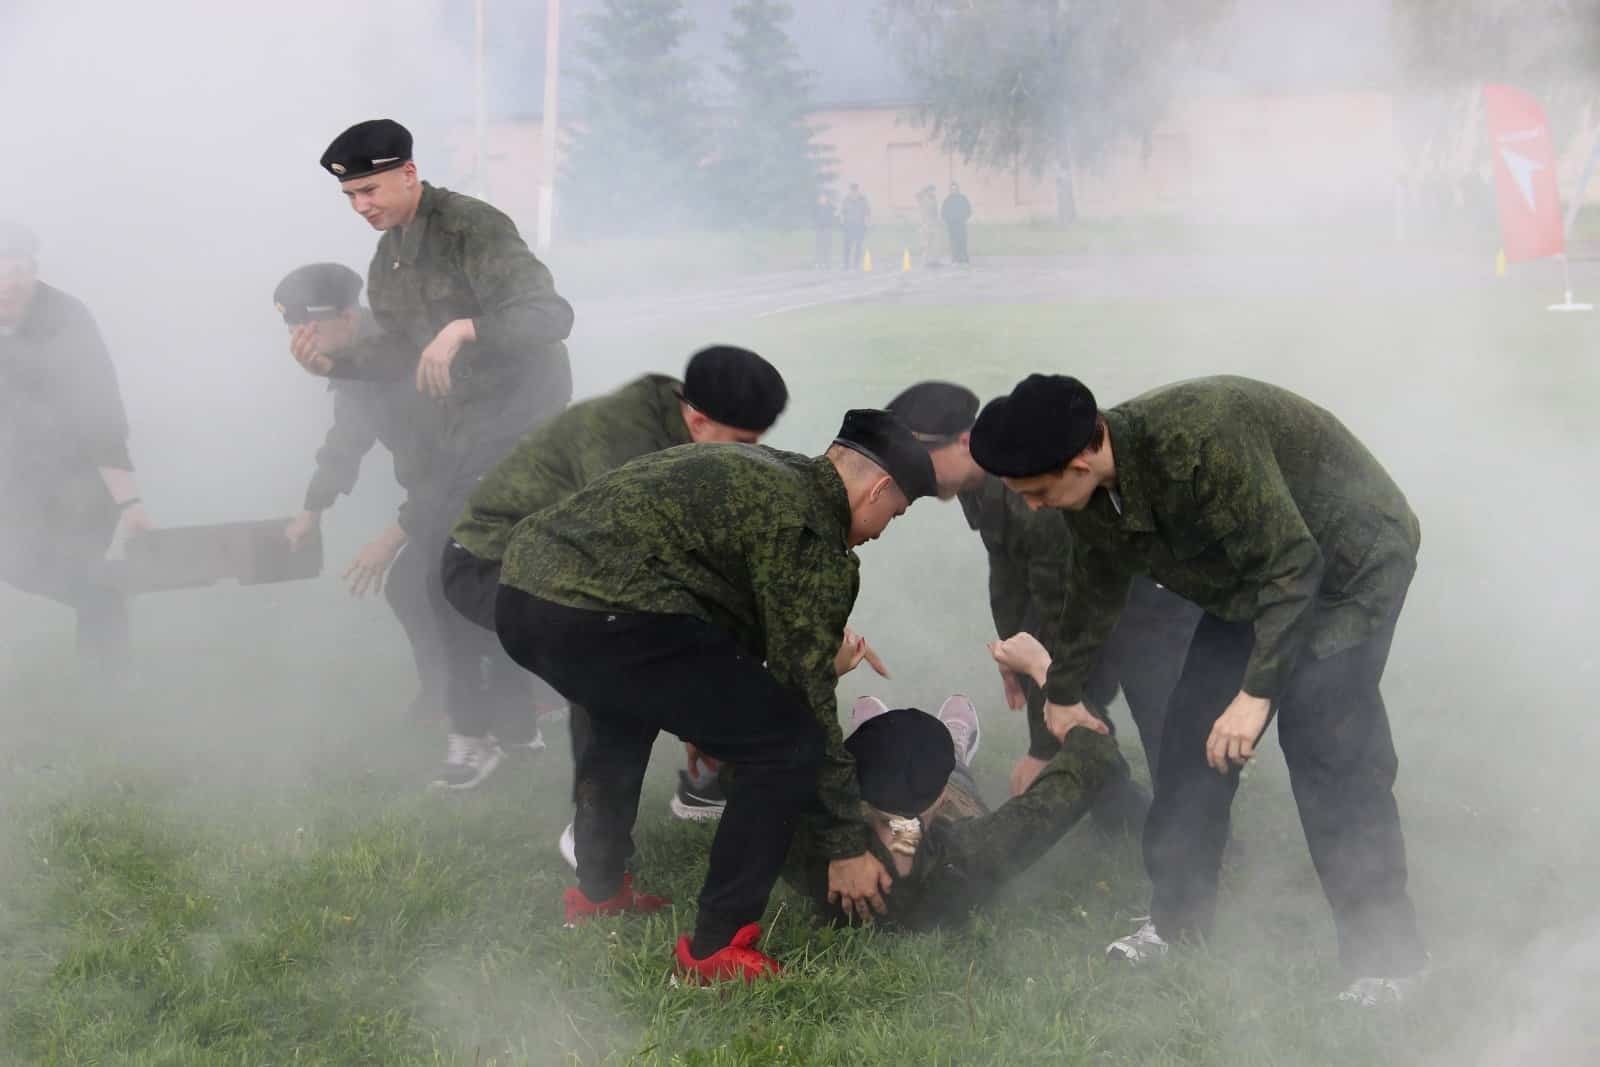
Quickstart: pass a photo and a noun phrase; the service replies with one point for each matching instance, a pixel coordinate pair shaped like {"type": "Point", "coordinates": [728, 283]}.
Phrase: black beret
{"type": "Point", "coordinates": [903, 760]}
{"type": "Point", "coordinates": [370, 147]}
{"type": "Point", "coordinates": [936, 411]}
{"type": "Point", "coordinates": [888, 442]}
{"type": "Point", "coordinates": [735, 387]}
{"type": "Point", "coordinates": [316, 291]}
{"type": "Point", "coordinates": [17, 241]}
{"type": "Point", "coordinates": [1047, 419]}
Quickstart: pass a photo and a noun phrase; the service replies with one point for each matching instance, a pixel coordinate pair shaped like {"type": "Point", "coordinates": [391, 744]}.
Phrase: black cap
{"type": "Point", "coordinates": [316, 291]}
{"type": "Point", "coordinates": [936, 411]}
{"type": "Point", "coordinates": [903, 760]}
{"type": "Point", "coordinates": [370, 147]}
{"type": "Point", "coordinates": [17, 241]}
{"type": "Point", "coordinates": [888, 442]}
{"type": "Point", "coordinates": [735, 387]}
{"type": "Point", "coordinates": [1047, 419]}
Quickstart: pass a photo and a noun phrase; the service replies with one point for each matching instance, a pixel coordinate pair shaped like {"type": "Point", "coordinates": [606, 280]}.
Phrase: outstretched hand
{"type": "Point", "coordinates": [853, 651]}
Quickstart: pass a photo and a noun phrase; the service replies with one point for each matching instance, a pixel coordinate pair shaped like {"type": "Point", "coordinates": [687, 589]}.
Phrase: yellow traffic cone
{"type": "Point", "coordinates": [1500, 264]}
{"type": "Point", "coordinates": [866, 261]}
{"type": "Point", "coordinates": [905, 260]}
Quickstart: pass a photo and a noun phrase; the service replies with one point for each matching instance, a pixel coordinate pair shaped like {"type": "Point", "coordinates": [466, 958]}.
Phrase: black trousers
{"type": "Point", "coordinates": [1335, 736]}
{"type": "Point", "coordinates": [639, 674]}
{"type": "Point", "coordinates": [406, 590]}
{"type": "Point", "coordinates": [854, 238]}
{"type": "Point", "coordinates": [958, 241]}
{"type": "Point", "coordinates": [64, 562]}
{"type": "Point", "coordinates": [470, 585]}
{"type": "Point", "coordinates": [1143, 657]}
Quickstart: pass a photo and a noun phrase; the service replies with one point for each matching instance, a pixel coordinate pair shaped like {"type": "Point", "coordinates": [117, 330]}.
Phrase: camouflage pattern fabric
{"type": "Point", "coordinates": [463, 259]}
{"type": "Point", "coordinates": [967, 855]}
{"type": "Point", "coordinates": [568, 452]}
{"type": "Point", "coordinates": [747, 538]}
{"type": "Point", "coordinates": [1255, 504]}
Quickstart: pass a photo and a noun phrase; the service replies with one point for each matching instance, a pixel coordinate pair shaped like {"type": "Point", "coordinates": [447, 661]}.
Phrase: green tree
{"type": "Point", "coordinates": [637, 137]}
{"type": "Point", "coordinates": [768, 168]}
{"type": "Point", "coordinates": [1043, 84]}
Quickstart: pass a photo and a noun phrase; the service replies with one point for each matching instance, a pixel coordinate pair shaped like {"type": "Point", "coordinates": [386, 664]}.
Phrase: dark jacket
{"type": "Point", "coordinates": [61, 414]}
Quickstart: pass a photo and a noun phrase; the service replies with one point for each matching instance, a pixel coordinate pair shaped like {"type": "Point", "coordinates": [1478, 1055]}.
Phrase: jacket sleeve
{"type": "Point", "coordinates": [1096, 589]}
{"type": "Point", "coordinates": [1044, 542]}
{"type": "Point", "coordinates": [520, 308]}
{"type": "Point", "coordinates": [804, 596]}
{"type": "Point", "coordinates": [1008, 593]}
{"type": "Point", "coordinates": [1245, 505]}
{"type": "Point", "coordinates": [382, 357]}
{"type": "Point", "coordinates": [349, 439]}
{"type": "Point", "coordinates": [979, 855]}
{"type": "Point", "coordinates": [98, 422]}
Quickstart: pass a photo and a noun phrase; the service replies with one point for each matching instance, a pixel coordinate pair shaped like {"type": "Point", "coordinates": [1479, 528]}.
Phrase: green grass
{"type": "Point", "coordinates": [237, 864]}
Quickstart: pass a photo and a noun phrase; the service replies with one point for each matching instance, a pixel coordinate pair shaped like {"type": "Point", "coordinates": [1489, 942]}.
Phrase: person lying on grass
{"type": "Point", "coordinates": [946, 851]}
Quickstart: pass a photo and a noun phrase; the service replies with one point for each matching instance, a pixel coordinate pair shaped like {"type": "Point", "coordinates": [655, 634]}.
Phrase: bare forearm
{"type": "Point", "coordinates": [121, 484]}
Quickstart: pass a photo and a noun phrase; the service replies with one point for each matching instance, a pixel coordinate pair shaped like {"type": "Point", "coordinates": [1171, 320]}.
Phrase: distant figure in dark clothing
{"type": "Point", "coordinates": [66, 482]}
{"type": "Point", "coordinates": [956, 211]}
{"type": "Point", "coordinates": [824, 220]}
{"type": "Point", "coordinates": [853, 216]}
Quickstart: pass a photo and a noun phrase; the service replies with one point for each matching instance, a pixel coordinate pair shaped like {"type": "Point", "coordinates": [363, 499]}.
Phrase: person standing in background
{"type": "Point", "coordinates": [956, 211]}
{"type": "Point", "coordinates": [854, 214]}
{"type": "Point", "coordinates": [824, 220]}
{"type": "Point", "coordinates": [67, 485]}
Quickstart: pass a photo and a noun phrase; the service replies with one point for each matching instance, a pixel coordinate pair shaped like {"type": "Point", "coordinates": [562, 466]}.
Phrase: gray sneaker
{"type": "Point", "coordinates": [961, 719]}
{"type": "Point", "coordinates": [467, 762]}
{"type": "Point", "coordinates": [1144, 945]}
{"type": "Point", "coordinates": [865, 708]}
{"type": "Point", "coordinates": [698, 801]}
{"type": "Point", "coordinates": [1376, 992]}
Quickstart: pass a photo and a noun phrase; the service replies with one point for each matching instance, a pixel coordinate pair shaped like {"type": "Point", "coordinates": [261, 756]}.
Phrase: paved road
{"type": "Point", "coordinates": [1086, 278]}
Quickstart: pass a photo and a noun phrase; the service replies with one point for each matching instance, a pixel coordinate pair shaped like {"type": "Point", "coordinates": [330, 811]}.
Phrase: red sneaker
{"type": "Point", "coordinates": [580, 908]}
{"type": "Point", "coordinates": [737, 960]}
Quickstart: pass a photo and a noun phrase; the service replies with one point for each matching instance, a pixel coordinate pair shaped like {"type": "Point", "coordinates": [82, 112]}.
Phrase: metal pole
{"type": "Point", "coordinates": [548, 125]}
{"type": "Point", "coordinates": [481, 104]}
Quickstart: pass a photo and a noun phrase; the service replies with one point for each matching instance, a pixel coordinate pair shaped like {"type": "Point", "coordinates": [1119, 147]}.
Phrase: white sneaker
{"type": "Point", "coordinates": [534, 744]}
{"type": "Point", "coordinates": [1141, 946]}
{"type": "Point", "coordinates": [467, 762]}
{"type": "Point", "coordinates": [1374, 992]}
{"type": "Point", "coordinates": [569, 846]}
{"type": "Point", "coordinates": [961, 719]}
{"type": "Point", "coordinates": [865, 708]}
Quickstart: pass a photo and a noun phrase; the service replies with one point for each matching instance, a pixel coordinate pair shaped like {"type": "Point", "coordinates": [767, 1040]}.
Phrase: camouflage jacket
{"type": "Point", "coordinates": [1028, 558]}
{"type": "Point", "coordinates": [462, 259]}
{"type": "Point", "coordinates": [748, 538]}
{"type": "Point", "coordinates": [390, 413]}
{"type": "Point", "coordinates": [967, 852]}
{"type": "Point", "coordinates": [567, 453]}
{"type": "Point", "coordinates": [1253, 503]}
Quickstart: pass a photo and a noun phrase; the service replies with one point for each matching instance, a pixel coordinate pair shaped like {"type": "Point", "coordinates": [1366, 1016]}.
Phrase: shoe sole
{"type": "Point", "coordinates": [694, 813]}
{"type": "Point", "coordinates": [472, 783]}
{"type": "Point", "coordinates": [568, 849]}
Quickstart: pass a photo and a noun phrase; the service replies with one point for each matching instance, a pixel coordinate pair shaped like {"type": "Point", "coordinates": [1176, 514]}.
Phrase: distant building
{"type": "Point", "coordinates": [1236, 158]}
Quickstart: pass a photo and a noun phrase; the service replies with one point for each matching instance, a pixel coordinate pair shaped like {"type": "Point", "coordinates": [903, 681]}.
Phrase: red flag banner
{"type": "Point", "coordinates": [1524, 174]}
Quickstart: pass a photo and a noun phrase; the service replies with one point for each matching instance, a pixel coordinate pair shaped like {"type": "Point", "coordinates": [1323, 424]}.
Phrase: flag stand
{"type": "Point", "coordinates": [1567, 304]}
